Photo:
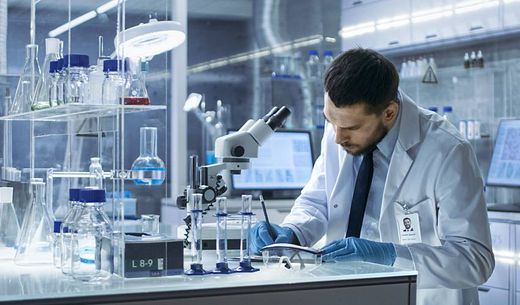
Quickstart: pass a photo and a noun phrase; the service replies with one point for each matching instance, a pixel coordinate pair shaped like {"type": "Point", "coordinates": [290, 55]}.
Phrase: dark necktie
{"type": "Point", "coordinates": [359, 199]}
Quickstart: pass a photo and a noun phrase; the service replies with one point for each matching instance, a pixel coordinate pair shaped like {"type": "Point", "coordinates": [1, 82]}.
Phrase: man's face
{"type": "Point", "coordinates": [357, 130]}
{"type": "Point", "coordinates": [407, 223]}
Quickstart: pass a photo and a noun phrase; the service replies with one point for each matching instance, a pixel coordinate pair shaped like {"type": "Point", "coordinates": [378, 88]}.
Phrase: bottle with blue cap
{"type": "Point", "coordinates": [77, 79]}
{"type": "Point", "coordinates": [114, 82]}
{"type": "Point", "coordinates": [313, 65]}
{"type": "Point", "coordinates": [91, 226]}
{"type": "Point", "coordinates": [65, 232]}
{"type": "Point", "coordinates": [328, 57]}
{"type": "Point", "coordinates": [447, 113]}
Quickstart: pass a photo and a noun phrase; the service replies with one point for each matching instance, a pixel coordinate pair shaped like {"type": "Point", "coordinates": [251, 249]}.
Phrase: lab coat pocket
{"type": "Point", "coordinates": [421, 217]}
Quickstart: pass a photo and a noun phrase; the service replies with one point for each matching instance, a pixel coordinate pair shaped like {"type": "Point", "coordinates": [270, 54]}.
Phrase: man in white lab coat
{"type": "Point", "coordinates": [385, 161]}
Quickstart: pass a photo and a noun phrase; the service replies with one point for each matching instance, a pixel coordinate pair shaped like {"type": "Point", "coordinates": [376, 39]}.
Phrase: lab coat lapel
{"type": "Point", "coordinates": [401, 162]}
{"type": "Point", "coordinates": [339, 202]}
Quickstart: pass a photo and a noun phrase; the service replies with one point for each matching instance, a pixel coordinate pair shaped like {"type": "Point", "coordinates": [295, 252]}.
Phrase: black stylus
{"type": "Point", "coordinates": [269, 227]}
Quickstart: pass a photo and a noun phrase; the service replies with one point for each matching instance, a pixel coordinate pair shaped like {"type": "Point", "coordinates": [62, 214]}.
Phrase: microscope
{"type": "Point", "coordinates": [233, 153]}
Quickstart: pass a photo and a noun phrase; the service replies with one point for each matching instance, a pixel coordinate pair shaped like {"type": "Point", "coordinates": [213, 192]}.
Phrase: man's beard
{"type": "Point", "coordinates": [373, 145]}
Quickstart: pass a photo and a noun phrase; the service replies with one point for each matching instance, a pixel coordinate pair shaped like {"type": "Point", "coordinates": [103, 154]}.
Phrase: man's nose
{"type": "Point", "coordinates": [341, 136]}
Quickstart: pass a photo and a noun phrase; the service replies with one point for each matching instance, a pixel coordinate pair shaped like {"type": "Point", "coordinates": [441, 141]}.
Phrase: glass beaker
{"type": "Point", "coordinates": [135, 88]}
{"type": "Point", "coordinates": [36, 238]}
{"type": "Point", "coordinates": [150, 224]}
{"type": "Point", "coordinates": [26, 88]}
{"type": "Point", "coordinates": [92, 225]}
{"type": "Point", "coordinates": [245, 250]}
{"type": "Point", "coordinates": [148, 168]}
{"type": "Point", "coordinates": [9, 227]}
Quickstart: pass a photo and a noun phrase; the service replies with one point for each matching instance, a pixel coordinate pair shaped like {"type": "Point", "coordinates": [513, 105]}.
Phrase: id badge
{"type": "Point", "coordinates": [409, 228]}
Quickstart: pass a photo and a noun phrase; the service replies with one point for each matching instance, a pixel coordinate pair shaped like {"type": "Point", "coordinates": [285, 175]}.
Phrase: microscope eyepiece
{"type": "Point", "coordinates": [276, 120]}
{"type": "Point", "coordinates": [270, 114]}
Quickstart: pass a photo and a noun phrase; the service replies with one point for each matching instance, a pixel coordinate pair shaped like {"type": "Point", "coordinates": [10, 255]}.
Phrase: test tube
{"type": "Point", "coordinates": [221, 242]}
{"type": "Point", "coordinates": [245, 254]}
{"type": "Point", "coordinates": [196, 236]}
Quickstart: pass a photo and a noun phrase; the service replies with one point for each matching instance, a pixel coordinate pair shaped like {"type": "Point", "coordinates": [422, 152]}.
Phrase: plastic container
{"type": "Point", "coordinates": [114, 81]}
{"type": "Point", "coordinates": [9, 227]}
{"type": "Point", "coordinates": [77, 78]}
{"type": "Point", "coordinates": [92, 225]}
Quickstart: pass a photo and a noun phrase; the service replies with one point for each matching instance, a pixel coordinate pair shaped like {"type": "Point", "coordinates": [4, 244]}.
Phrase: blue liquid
{"type": "Point", "coordinates": [148, 175]}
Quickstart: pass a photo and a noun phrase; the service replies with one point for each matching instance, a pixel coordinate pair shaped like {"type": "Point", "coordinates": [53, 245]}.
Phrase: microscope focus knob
{"type": "Point", "coordinates": [238, 151]}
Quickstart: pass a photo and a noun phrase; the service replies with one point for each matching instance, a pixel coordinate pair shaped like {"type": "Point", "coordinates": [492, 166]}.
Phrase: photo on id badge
{"type": "Point", "coordinates": [409, 228]}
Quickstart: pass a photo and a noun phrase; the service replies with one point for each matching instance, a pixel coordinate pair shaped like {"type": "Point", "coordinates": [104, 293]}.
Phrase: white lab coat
{"type": "Point", "coordinates": [435, 172]}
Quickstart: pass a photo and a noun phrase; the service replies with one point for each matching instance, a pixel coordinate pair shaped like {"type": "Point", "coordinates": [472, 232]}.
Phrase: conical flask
{"type": "Point", "coordinates": [41, 98]}
{"type": "Point", "coordinates": [9, 226]}
{"type": "Point", "coordinates": [36, 238]}
{"type": "Point", "coordinates": [27, 82]}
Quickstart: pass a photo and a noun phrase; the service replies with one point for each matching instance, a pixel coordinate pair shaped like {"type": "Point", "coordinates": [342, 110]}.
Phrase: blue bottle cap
{"type": "Point", "coordinates": [112, 65]}
{"type": "Point", "coordinates": [76, 60]}
{"type": "Point", "coordinates": [328, 53]}
{"type": "Point", "coordinates": [92, 195]}
{"type": "Point", "coordinates": [53, 66]}
{"type": "Point", "coordinates": [60, 64]}
{"type": "Point", "coordinates": [447, 109]}
{"type": "Point", "coordinates": [74, 194]}
{"type": "Point", "coordinates": [313, 52]}
{"type": "Point", "coordinates": [57, 225]}
{"type": "Point", "coordinates": [433, 108]}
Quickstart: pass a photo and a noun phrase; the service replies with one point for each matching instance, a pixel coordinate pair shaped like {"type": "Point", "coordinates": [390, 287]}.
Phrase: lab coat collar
{"type": "Point", "coordinates": [409, 129]}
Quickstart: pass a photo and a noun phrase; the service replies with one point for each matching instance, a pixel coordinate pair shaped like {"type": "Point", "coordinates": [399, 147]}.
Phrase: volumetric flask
{"type": "Point", "coordinates": [9, 226]}
{"type": "Point", "coordinates": [148, 168]}
{"type": "Point", "coordinates": [36, 238]}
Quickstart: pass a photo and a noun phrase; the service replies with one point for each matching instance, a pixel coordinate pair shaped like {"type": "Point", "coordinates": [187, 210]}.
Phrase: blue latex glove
{"type": "Point", "coordinates": [260, 237]}
{"type": "Point", "coordinates": [357, 249]}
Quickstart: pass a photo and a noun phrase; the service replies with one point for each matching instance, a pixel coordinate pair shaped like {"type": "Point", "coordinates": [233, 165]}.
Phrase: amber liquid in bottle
{"type": "Point", "coordinates": [136, 100]}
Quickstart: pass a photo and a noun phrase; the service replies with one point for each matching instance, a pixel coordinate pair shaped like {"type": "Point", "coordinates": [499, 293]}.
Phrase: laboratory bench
{"type": "Point", "coordinates": [333, 283]}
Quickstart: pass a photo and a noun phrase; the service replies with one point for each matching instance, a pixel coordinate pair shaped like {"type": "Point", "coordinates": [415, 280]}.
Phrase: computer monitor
{"type": "Point", "coordinates": [284, 162]}
{"type": "Point", "coordinates": [504, 169]}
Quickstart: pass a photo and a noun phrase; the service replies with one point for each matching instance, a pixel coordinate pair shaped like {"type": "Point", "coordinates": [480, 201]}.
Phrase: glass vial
{"type": "Point", "coordinates": [148, 168]}
{"type": "Point", "coordinates": [150, 224]}
{"type": "Point", "coordinates": [92, 225]}
{"type": "Point", "coordinates": [36, 238]}
{"type": "Point", "coordinates": [9, 227]}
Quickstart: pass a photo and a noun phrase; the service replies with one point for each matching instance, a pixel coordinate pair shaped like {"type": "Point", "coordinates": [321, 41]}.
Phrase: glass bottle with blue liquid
{"type": "Point", "coordinates": [148, 168]}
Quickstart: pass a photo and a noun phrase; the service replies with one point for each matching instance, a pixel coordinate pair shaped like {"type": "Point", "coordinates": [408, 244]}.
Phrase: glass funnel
{"type": "Point", "coordinates": [27, 83]}
{"type": "Point", "coordinates": [36, 238]}
{"type": "Point", "coordinates": [148, 168]}
{"type": "Point", "coordinates": [9, 226]}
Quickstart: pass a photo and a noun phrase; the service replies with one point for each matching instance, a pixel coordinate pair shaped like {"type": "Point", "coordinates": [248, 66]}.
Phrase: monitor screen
{"type": "Point", "coordinates": [284, 162]}
{"type": "Point", "coordinates": [504, 169]}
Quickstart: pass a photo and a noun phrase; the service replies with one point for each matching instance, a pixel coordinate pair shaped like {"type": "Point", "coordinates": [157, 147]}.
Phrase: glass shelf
{"type": "Point", "coordinates": [78, 111]}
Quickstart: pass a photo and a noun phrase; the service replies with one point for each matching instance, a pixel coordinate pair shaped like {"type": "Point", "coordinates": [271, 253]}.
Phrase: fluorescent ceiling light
{"type": "Point", "coordinates": [432, 14]}
{"type": "Point", "coordinates": [73, 23]}
{"type": "Point", "coordinates": [84, 18]}
{"type": "Point", "coordinates": [510, 1]}
{"type": "Point", "coordinates": [471, 6]}
{"type": "Point", "coordinates": [242, 57]}
{"type": "Point", "coordinates": [388, 23]}
{"type": "Point", "coordinates": [149, 39]}
{"type": "Point", "coordinates": [358, 29]}
{"type": "Point", "coordinates": [107, 6]}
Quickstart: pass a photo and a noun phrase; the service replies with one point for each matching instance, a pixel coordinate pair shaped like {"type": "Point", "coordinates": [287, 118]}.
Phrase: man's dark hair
{"type": "Point", "coordinates": [362, 76]}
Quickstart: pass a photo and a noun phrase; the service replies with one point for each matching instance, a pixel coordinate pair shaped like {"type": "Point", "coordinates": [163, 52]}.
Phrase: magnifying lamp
{"type": "Point", "coordinates": [192, 102]}
{"type": "Point", "coordinates": [149, 39]}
